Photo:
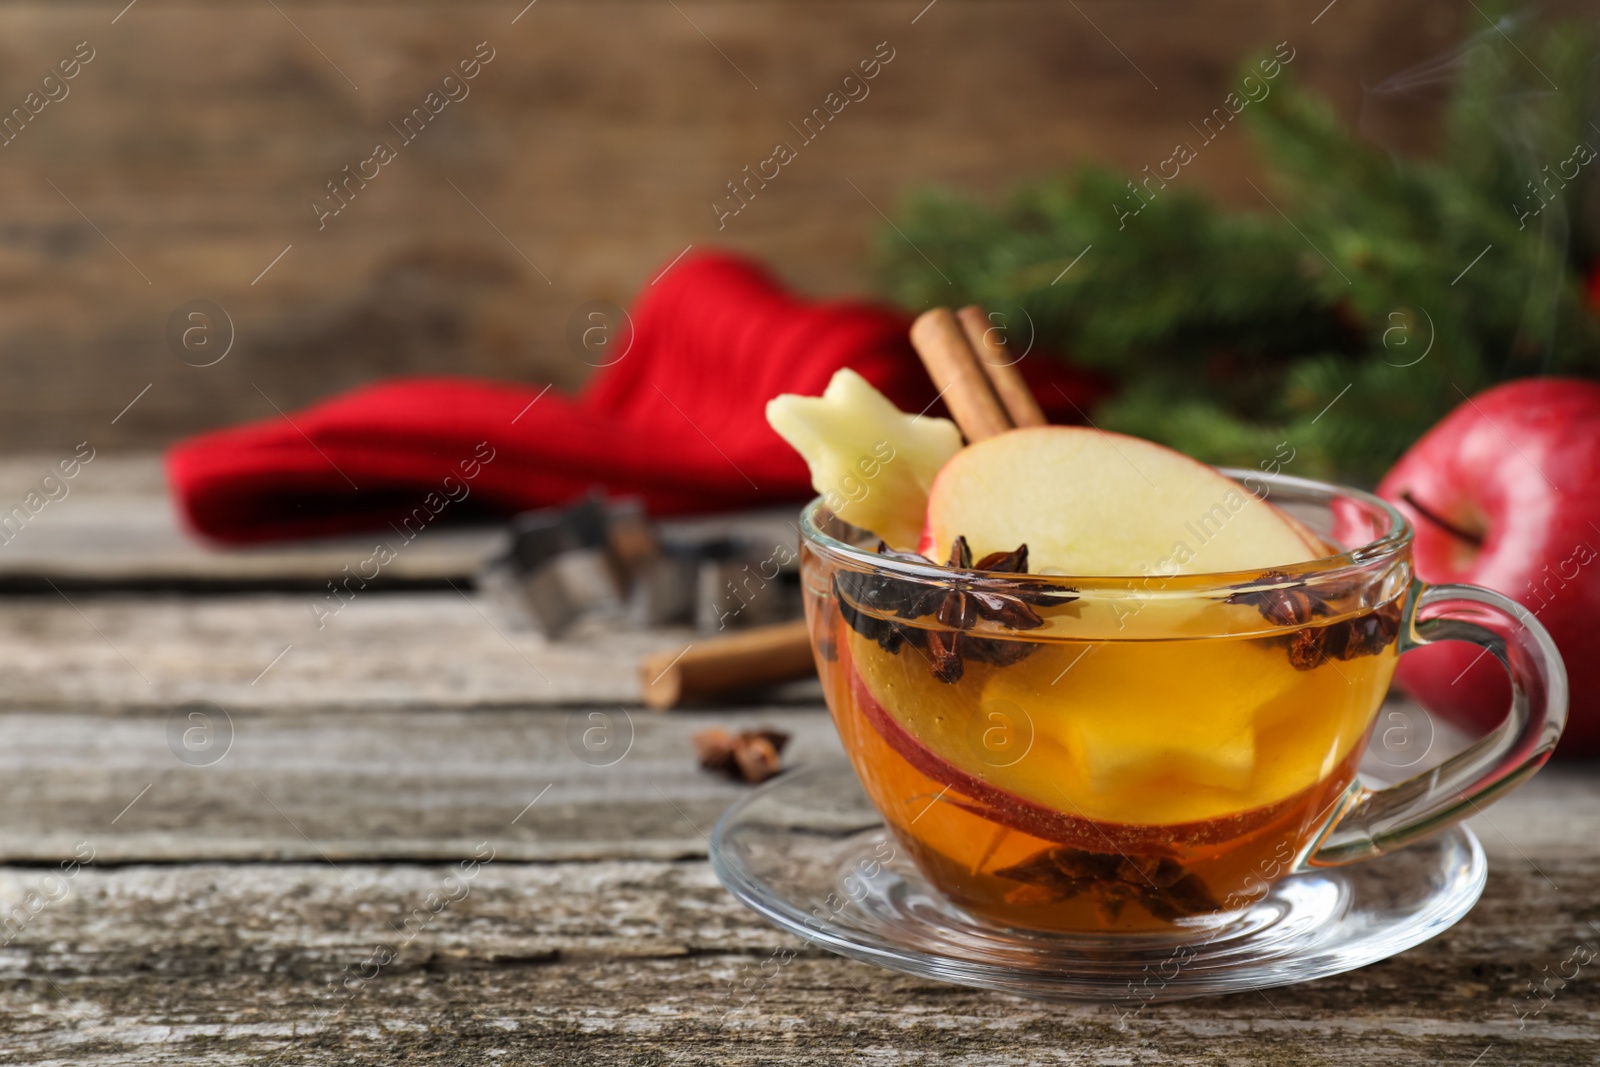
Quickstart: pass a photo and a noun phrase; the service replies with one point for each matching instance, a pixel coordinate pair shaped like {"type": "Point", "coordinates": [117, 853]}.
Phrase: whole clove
{"type": "Point", "coordinates": [748, 756]}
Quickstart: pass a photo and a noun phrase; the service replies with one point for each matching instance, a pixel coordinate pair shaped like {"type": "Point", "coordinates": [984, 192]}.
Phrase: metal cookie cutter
{"type": "Point", "coordinates": [605, 560]}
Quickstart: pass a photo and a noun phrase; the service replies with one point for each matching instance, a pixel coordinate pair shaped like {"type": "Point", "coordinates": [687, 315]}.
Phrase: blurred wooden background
{"type": "Point", "coordinates": [185, 157]}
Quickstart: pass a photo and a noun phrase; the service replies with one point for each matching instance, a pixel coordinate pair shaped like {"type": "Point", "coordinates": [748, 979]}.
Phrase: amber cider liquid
{"type": "Point", "coordinates": [1105, 785]}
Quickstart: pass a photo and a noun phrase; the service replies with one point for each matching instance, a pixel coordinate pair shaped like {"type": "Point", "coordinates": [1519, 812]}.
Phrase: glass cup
{"type": "Point", "coordinates": [1150, 752]}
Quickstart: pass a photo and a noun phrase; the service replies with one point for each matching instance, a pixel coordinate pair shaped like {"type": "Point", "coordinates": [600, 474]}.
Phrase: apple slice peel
{"type": "Point", "coordinates": [1093, 503]}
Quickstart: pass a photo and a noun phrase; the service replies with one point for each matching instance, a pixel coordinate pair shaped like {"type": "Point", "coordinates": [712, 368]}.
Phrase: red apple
{"type": "Point", "coordinates": [1505, 493]}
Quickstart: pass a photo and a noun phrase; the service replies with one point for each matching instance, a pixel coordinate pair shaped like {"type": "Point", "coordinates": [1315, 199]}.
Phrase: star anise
{"type": "Point", "coordinates": [956, 608]}
{"type": "Point", "coordinates": [1158, 883]}
{"type": "Point", "coordinates": [1295, 604]}
{"type": "Point", "coordinates": [1284, 604]}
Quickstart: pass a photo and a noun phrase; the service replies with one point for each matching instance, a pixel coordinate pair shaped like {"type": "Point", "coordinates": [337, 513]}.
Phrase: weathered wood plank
{"type": "Point", "coordinates": [380, 649]}
{"type": "Point", "coordinates": [396, 649]}
{"type": "Point", "coordinates": [112, 525]}
{"type": "Point", "coordinates": [377, 784]}
{"type": "Point", "coordinates": [649, 962]}
{"type": "Point", "coordinates": [596, 142]}
{"type": "Point", "coordinates": [374, 785]}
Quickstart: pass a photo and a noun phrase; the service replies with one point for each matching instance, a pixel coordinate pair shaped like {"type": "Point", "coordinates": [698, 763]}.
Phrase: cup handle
{"type": "Point", "coordinates": [1381, 820]}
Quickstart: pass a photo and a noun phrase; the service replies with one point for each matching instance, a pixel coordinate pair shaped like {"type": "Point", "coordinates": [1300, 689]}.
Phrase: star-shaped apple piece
{"type": "Point", "coordinates": [872, 462]}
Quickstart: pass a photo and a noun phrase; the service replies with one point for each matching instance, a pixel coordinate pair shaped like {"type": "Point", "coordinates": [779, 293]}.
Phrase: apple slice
{"type": "Point", "coordinates": [871, 461]}
{"type": "Point", "coordinates": [1120, 731]}
{"type": "Point", "coordinates": [1087, 502]}
{"type": "Point", "coordinates": [977, 790]}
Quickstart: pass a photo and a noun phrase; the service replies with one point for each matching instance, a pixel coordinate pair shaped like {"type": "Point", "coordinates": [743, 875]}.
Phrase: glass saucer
{"type": "Point", "coordinates": [809, 853]}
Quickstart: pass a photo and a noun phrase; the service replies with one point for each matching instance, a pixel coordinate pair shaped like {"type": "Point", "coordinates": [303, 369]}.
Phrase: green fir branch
{"type": "Point", "coordinates": [1393, 287]}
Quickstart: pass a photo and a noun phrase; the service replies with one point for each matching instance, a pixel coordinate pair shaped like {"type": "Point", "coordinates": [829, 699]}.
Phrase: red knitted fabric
{"type": "Point", "coordinates": [678, 420]}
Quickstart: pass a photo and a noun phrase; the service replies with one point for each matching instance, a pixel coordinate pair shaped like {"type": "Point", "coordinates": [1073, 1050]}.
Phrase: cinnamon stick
{"type": "Point", "coordinates": [760, 656]}
{"type": "Point", "coordinates": [958, 375]}
{"type": "Point", "coordinates": [1001, 369]}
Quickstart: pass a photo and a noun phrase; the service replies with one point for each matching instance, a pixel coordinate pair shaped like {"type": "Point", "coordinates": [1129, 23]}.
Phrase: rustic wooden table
{"type": "Point", "coordinates": [277, 887]}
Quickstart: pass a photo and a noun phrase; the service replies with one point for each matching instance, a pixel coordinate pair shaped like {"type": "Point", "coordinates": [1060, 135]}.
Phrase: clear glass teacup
{"type": "Point", "coordinates": [1107, 754]}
